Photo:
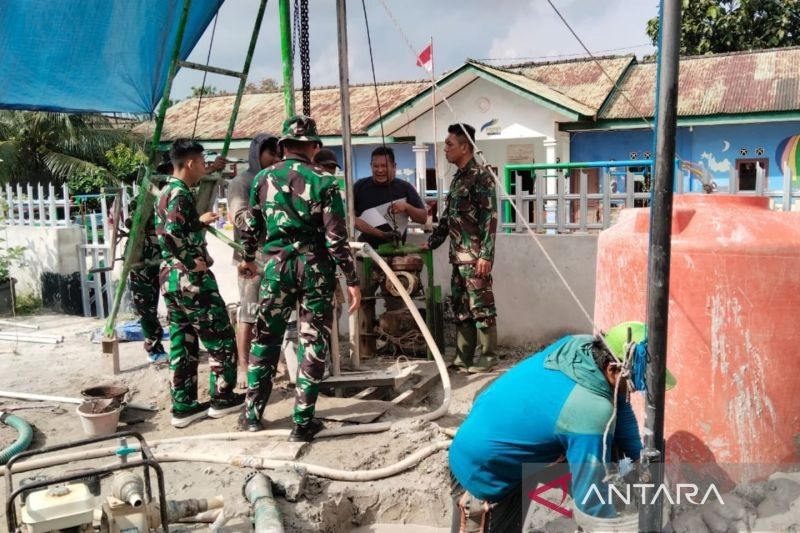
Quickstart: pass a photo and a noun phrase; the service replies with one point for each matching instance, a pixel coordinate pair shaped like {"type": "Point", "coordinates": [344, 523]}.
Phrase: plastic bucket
{"type": "Point", "coordinates": [97, 419]}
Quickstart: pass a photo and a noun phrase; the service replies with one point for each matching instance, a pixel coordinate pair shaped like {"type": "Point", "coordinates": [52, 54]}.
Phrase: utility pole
{"type": "Point", "coordinates": [652, 467]}
{"type": "Point", "coordinates": [286, 57]}
{"type": "Point", "coordinates": [347, 155]}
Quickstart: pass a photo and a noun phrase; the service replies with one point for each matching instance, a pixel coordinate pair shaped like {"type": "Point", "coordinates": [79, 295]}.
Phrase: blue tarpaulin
{"type": "Point", "coordinates": [92, 55]}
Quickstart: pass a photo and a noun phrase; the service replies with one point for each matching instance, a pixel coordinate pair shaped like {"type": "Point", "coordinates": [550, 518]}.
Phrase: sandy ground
{"type": "Point", "coordinates": [418, 496]}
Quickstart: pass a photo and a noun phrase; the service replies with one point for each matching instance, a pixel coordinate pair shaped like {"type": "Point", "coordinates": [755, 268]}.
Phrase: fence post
{"type": "Point", "coordinates": [20, 206]}
{"type": "Point", "coordinates": [98, 277]}
{"type": "Point", "coordinates": [66, 205]}
{"type": "Point", "coordinates": [518, 201]}
{"type": "Point", "coordinates": [87, 306]}
{"type": "Point", "coordinates": [31, 217]}
{"type": "Point", "coordinates": [606, 197]}
{"type": "Point", "coordinates": [629, 187]}
{"type": "Point", "coordinates": [104, 219]}
{"type": "Point", "coordinates": [560, 208]}
{"type": "Point", "coordinates": [583, 209]}
{"type": "Point", "coordinates": [40, 204]}
{"type": "Point", "coordinates": [51, 200]}
{"type": "Point", "coordinates": [787, 188]}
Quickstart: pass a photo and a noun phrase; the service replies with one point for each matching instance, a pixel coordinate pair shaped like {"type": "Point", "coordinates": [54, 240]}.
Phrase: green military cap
{"type": "Point", "coordinates": [300, 128]}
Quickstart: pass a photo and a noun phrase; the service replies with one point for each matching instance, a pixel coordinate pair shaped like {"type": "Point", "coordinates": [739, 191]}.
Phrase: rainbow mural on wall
{"type": "Point", "coordinates": [788, 156]}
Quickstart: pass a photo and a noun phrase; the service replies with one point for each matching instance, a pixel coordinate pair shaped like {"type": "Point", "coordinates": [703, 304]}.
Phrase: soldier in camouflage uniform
{"type": "Point", "coordinates": [470, 220]}
{"type": "Point", "coordinates": [296, 210]}
{"type": "Point", "coordinates": [143, 282]}
{"type": "Point", "coordinates": [190, 291]}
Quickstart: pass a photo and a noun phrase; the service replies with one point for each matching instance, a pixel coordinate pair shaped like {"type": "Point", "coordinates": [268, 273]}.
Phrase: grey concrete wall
{"type": "Point", "coordinates": [532, 303]}
{"type": "Point", "coordinates": [47, 249]}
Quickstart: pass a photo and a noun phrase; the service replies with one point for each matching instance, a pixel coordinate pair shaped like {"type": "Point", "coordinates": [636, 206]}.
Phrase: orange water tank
{"type": "Point", "coordinates": [734, 324]}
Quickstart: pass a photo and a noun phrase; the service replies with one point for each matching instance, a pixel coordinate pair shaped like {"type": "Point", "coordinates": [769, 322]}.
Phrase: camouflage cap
{"type": "Point", "coordinates": [300, 128]}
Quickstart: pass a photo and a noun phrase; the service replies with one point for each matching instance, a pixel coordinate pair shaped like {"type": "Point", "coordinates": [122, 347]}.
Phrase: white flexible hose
{"type": "Point", "coordinates": [260, 463]}
{"type": "Point", "coordinates": [332, 473]}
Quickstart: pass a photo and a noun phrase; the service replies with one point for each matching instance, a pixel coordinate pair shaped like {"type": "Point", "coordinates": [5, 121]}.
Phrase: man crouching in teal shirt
{"type": "Point", "coordinates": [555, 404]}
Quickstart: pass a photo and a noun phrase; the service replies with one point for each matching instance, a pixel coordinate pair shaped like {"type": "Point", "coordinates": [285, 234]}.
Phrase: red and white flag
{"type": "Point", "coordinates": [425, 59]}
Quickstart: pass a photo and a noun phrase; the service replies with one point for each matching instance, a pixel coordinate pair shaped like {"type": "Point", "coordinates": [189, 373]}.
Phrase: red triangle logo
{"type": "Point", "coordinates": [558, 483]}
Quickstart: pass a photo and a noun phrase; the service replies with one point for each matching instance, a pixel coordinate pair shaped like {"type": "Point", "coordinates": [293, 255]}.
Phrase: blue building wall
{"type": "Point", "coordinates": [712, 150]}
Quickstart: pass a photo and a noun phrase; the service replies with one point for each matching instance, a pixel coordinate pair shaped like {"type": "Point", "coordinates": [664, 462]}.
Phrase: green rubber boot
{"type": "Point", "coordinates": [466, 339]}
{"type": "Point", "coordinates": [488, 359]}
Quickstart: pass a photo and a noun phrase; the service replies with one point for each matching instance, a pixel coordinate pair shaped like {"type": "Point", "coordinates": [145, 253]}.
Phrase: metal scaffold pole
{"type": "Point", "coordinates": [658, 274]}
{"type": "Point", "coordinates": [286, 56]}
{"type": "Point", "coordinates": [347, 153]}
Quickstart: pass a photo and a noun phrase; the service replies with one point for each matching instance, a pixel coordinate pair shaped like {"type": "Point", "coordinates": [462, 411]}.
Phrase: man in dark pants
{"type": "Point", "coordinates": [470, 220]}
{"type": "Point", "coordinates": [382, 188]}
{"type": "Point", "coordinates": [263, 154]}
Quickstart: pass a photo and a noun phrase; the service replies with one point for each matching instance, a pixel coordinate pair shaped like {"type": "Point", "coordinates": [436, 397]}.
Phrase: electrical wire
{"type": "Point", "coordinates": [205, 72]}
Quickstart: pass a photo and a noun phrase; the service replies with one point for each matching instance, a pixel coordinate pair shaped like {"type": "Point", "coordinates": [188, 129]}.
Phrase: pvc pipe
{"type": "Point", "coordinates": [30, 338]}
{"type": "Point", "coordinates": [17, 324]}
{"type": "Point", "coordinates": [321, 471]}
{"type": "Point", "coordinates": [62, 399]}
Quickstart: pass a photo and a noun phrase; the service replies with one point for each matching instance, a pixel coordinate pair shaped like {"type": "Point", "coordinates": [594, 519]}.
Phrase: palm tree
{"type": "Point", "coordinates": [40, 147]}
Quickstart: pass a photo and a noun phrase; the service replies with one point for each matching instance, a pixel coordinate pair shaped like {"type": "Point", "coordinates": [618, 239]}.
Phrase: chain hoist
{"type": "Point", "coordinates": [300, 28]}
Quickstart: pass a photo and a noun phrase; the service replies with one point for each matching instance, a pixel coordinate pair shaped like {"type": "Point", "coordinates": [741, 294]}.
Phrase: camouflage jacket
{"type": "Point", "coordinates": [296, 208]}
{"type": "Point", "coordinates": [469, 216]}
{"type": "Point", "coordinates": [181, 235]}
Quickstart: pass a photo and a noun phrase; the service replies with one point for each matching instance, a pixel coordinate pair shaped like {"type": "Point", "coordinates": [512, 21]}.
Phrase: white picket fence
{"type": "Point", "coordinates": [47, 207]}
{"type": "Point", "coordinates": [97, 253]}
{"type": "Point", "coordinates": [26, 209]}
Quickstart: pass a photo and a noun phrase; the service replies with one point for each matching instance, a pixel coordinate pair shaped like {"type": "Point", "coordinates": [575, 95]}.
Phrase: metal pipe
{"type": "Point", "coordinates": [266, 515]}
{"type": "Point", "coordinates": [659, 260]}
{"type": "Point", "coordinates": [214, 70]}
{"type": "Point", "coordinates": [286, 56]}
{"type": "Point", "coordinates": [347, 157]}
{"type": "Point", "coordinates": [243, 77]}
{"type": "Point", "coordinates": [173, 69]}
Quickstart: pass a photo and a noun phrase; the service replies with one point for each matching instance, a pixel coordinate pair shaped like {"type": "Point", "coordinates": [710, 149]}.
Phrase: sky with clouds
{"type": "Point", "coordinates": [478, 29]}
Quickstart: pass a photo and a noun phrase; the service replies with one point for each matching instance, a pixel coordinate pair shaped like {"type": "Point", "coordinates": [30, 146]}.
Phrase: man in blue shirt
{"type": "Point", "coordinates": [557, 403]}
{"type": "Point", "coordinates": [382, 188]}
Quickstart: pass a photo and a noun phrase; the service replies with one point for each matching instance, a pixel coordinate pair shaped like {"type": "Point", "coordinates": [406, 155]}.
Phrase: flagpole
{"type": "Point", "coordinates": [439, 183]}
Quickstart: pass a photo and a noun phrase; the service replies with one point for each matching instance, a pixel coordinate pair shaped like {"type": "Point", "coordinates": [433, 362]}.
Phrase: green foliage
{"type": "Point", "coordinates": [125, 162]}
{"type": "Point", "coordinates": [10, 256]}
{"type": "Point", "coordinates": [43, 147]}
{"type": "Point", "coordinates": [264, 86]}
{"type": "Point", "coordinates": [719, 26]}
{"type": "Point", "coordinates": [208, 90]}
{"type": "Point", "coordinates": [27, 304]}
{"type": "Point", "coordinates": [91, 182]}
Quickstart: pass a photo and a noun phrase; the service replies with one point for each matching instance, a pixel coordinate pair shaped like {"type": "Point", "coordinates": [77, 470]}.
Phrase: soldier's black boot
{"type": "Point", "coordinates": [306, 432]}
